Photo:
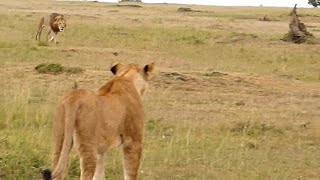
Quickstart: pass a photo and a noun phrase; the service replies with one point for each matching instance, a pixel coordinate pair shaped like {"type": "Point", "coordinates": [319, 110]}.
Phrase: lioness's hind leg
{"type": "Point", "coordinates": [99, 173]}
{"type": "Point", "coordinates": [132, 154]}
{"type": "Point", "coordinates": [88, 159]}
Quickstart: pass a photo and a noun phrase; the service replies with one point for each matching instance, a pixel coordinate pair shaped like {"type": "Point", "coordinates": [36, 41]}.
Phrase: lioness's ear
{"type": "Point", "coordinates": [115, 67]}
{"type": "Point", "coordinates": [148, 69]}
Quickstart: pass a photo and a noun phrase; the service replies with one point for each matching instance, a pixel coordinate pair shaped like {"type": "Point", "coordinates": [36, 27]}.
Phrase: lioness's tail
{"type": "Point", "coordinates": [69, 119]}
{"type": "Point", "coordinates": [46, 174]}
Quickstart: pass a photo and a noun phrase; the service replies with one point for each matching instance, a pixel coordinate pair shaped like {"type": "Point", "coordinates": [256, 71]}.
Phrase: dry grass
{"type": "Point", "coordinates": [229, 100]}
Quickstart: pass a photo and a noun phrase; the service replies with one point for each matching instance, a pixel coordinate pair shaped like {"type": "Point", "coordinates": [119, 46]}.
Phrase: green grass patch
{"type": "Point", "coordinates": [309, 38]}
{"type": "Point", "coordinates": [255, 129]}
{"type": "Point", "coordinates": [51, 68]}
{"type": "Point", "coordinates": [43, 43]}
{"type": "Point", "coordinates": [7, 45]}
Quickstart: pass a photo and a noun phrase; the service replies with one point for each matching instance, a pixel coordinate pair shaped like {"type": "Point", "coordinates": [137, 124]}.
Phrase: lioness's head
{"type": "Point", "coordinates": [60, 22]}
{"type": "Point", "coordinates": [139, 75]}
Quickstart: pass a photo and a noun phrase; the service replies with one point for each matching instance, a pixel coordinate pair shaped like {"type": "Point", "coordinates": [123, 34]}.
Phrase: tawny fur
{"type": "Point", "coordinates": [96, 122]}
{"type": "Point", "coordinates": [55, 23]}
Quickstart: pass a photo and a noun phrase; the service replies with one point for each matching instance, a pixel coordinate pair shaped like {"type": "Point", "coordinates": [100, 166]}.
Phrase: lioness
{"type": "Point", "coordinates": [97, 122]}
{"type": "Point", "coordinates": [56, 23]}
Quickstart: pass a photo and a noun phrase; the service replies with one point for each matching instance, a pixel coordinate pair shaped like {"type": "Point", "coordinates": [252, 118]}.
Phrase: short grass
{"type": "Point", "coordinates": [230, 100]}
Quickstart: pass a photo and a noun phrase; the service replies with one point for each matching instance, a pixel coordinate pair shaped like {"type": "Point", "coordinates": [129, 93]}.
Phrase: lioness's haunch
{"type": "Point", "coordinates": [96, 122]}
{"type": "Point", "coordinates": [55, 22]}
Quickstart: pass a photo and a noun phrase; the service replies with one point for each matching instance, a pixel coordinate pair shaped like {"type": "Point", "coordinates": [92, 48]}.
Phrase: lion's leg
{"type": "Point", "coordinates": [88, 159]}
{"type": "Point", "coordinates": [38, 35]}
{"type": "Point", "coordinates": [40, 28]}
{"type": "Point", "coordinates": [49, 32]}
{"type": "Point", "coordinates": [55, 38]}
{"type": "Point", "coordinates": [52, 38]}
{"type": "Point", "coordinates": [40, 31]}
{"type": "Point", "coordinates": [99, 173]}
{"type": "Point", "coordinates": [132, 154]}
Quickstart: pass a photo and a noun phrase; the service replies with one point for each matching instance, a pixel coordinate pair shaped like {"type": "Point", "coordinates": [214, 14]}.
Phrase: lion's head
{"type": "Point", "coordinates": [60, 22]}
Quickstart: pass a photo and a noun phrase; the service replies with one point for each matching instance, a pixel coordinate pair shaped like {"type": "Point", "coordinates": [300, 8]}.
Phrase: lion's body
{"type": "Point", "coordinates": [55, 23]}
{"type": "Point", "coordinates": [98, 122]}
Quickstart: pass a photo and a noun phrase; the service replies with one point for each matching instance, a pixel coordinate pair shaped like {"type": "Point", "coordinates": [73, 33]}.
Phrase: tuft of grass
{"type": "Point", "coordinates": [7, 45]}
{"type": "Point", "coordinates": [42, 43]}
{"type": "Point", "coordinates": [49, 68]}
{"type": "Point", "coordinates": [73, 70]}
{"type": "Point", "coordinates": [129, 5]}
{"type": "Point", "coordinates": [21, 157]}
{"type": "Point", "coordinates": [290, 37]}
{"type": "Point", "coordinates": [243, 35]}
{"type": "Point", "coordinates": [238, 37]}
{"type": "Point", "coordinates": [213, 74]}
{"type": "Point", "coordinates": [193, 39]}
{"type": "Point", "coordinates": [73, 167]}
{"type": "Point", "coordinates": [184, 9]}
{"type": "Point", "coordinates": [52, 68]}
{"type": "Point", "coordinates": [255, 129]}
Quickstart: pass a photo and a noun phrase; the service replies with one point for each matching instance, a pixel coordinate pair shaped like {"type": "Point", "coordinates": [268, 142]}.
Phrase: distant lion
{"type": "Point", "coordinates": [56, 23]}
{"type": "Point", "coordinates": [96, 122]}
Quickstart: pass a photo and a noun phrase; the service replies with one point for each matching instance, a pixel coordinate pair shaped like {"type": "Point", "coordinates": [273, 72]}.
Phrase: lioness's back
{"type": "Point", "coordinates": [98, 122]}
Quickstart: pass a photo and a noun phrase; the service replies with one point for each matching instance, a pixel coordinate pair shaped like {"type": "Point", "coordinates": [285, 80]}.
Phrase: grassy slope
{"type": "Point", "coordinates": [241, 105]}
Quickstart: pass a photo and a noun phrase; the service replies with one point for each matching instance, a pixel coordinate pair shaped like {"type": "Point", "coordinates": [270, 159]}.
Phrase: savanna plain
{"type": "Point", "coordinates": [228, 100]}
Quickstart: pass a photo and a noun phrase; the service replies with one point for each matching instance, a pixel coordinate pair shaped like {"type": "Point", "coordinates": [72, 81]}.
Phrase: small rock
{"type": "Point", "coordinates": [240, 103]}
{"type": "Point", "coordinates": [237, 79]}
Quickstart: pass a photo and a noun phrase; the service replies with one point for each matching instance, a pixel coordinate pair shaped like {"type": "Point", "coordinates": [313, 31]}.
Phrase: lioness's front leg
{"type": "Point", "coordinates": [132, 154]}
